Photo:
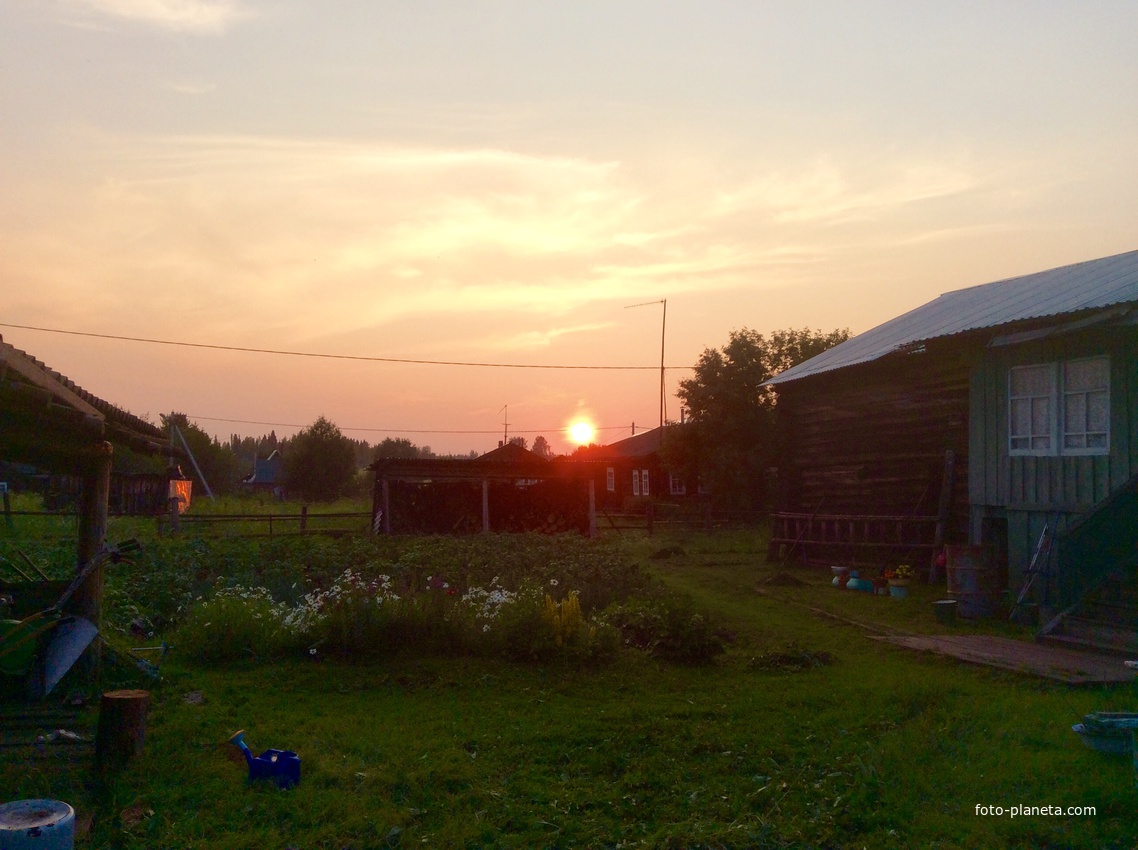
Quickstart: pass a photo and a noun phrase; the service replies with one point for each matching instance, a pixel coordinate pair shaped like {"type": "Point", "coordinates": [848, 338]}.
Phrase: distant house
{"type": "Point", "coordinates": [631, 472]}
{"type": "Point", "coordinates": [267, 475]}
{"type": "Point", "coordinates": [1030, 383]}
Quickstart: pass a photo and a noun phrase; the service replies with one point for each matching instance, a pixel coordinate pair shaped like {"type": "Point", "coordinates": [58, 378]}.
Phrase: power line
{"type": "Point", "coordinates": [397, 430]}
{"type": "Point", "coordinates": [326, 356]}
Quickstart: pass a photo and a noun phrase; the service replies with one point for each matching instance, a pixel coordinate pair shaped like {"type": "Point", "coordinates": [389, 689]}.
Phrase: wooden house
{"type": "Point", "coordinates": [982, 417]}
{"type": "Point", "coordinates": [631, 473]}
{"type": "Point", "coordinates": [267, 475]}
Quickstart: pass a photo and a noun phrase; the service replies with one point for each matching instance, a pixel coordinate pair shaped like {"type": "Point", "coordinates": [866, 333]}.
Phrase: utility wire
{"type": "Point", "coordinates": [191, 416]}
{"type": "Point", "coordinates": [331, 356]}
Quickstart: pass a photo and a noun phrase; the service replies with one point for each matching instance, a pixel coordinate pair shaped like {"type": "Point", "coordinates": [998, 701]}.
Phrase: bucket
{"type": "Point", "coordinates": [37, 825]}
{"type": "Point", "coordinates": [973, 580]}
{"type": "Point", "coordinates": [945, 610]}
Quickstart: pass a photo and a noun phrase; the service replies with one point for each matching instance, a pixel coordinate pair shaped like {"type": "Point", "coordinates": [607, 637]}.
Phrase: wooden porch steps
{"type": "Point", "coordinates": [1106, 620]}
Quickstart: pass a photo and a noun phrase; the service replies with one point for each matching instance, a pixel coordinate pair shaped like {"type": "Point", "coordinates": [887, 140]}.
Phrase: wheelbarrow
{"type": "Point", "coordinates": [49, 638]}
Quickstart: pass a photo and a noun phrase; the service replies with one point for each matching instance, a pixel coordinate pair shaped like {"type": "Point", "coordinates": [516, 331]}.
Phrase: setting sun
{"type": "Point", "coordinates": [581, 432]}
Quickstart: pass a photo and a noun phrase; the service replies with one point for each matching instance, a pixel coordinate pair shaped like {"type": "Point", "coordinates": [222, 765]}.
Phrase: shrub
{"type": "Point", "coordinates": [236, 623]}
{"type": "Point", "coordinates": [668, 627]}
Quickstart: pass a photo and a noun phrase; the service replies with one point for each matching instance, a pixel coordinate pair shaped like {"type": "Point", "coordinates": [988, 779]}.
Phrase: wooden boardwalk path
{"type": "Point", "coordinates": [1036, 659]}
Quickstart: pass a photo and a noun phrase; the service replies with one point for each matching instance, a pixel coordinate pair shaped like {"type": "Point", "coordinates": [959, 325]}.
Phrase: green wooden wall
{"type": "Point", "coordinates": [1029, 491]}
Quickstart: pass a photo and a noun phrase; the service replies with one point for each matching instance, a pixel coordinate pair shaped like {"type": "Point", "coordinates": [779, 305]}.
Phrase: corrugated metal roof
{"type": "Point", "coordinates": [1056, 292]}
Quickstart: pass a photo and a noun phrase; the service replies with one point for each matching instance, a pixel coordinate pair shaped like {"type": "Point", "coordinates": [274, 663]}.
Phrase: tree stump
{"type": "Point", "coordinates": [122, 727]}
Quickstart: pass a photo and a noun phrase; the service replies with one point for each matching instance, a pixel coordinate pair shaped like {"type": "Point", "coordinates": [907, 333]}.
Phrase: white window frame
{"type": "Point", "coordinates": [636, 482]}
{"type": "Point", "coordinates": [1052, 419]}
{"type": "Point", "coordinates": [1085, 434]}
{"type": "Point", "coordinates": [610, 480]}
{"type": "Point", "coordinates": [676, 485]}
{"type": "Point", "coordinates": [1057, 404]}
{"type": "Point", "coordinates": [644, 482]}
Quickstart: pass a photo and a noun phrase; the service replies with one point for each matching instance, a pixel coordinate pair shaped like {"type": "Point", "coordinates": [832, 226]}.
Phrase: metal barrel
{"type": "Point", "coordinates": [973, 580]}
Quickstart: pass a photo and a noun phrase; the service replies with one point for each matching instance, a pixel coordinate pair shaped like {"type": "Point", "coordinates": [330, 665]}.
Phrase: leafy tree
{"type": "Point", "coordinates": [319, 462]}
{"type": "Point", "coordinates": [730, 442]}
{"type": "Point", "coordinates": [399, 447]}
{"type": "Point", "coordinates": [518, 441]}
{"type": "Point", "coordinates": [541, 447]}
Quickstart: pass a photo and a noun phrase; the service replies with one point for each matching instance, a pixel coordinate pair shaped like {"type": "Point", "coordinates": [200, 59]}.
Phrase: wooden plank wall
{"type": "Point", "coordinates": [1033, 490]}
{"type": "Point", "coordinates": [871, 439]}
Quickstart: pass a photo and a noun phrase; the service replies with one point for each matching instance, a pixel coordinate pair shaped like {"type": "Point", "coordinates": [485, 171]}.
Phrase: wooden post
{"type": "Point", "coordinates": [7, 508]}
{"type": "Point", "coordinates": [485, 506]}
{"type": "Point", "coordinates": [651, 517]}
{"type": "Point", "coordinates": [88, 599]}
{"type": "Point", "coordinates": [592, 508]}
{"type": "Point", "coordinates": [943, 513]}
{"type": "Point", "coordinates": [376, 509]}
{"type": "Point", "coordinates": [122, 727]}
{"type": "Point", "coordinates": [386, 507]}
{"type": "Point", "coordinates": [175, 525]}
{"type": "Point", "coordinates": [303, 519]}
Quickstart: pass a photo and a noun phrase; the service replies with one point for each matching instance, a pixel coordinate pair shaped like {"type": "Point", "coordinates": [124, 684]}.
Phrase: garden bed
{"type": "Point", "coordinates": [801, 732]}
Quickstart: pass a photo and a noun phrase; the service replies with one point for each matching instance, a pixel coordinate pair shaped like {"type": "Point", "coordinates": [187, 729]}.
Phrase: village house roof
{"type": "Point", "coordinates": [269, 470]}
{"type": "Point", "coordinates": [638, 445]}
{"type": "Point", "coordinates": [1087, 288]}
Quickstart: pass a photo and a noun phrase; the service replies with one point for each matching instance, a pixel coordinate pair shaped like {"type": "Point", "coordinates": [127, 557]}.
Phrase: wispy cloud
{"type": "Point", "coordinates": [367, 235]}
{"type": "Point", "coordinates": [529, 340]}
{"type": "Point", "coordinates": [830, 191]}
{"type": "Point", "coordinates": [191, 88]}
{"type": "Point", "coordinates": [200, 16]}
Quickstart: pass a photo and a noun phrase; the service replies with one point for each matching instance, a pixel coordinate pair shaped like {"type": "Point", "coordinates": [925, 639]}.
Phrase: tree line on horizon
{"type": "Point", "coordinates": [321, 463]}
{"type": "Point", "coordinates": [729, 442]}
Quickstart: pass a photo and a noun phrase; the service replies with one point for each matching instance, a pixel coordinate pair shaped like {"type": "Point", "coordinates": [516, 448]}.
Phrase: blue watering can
{"type": "Point", "coordinates": [279, 766]}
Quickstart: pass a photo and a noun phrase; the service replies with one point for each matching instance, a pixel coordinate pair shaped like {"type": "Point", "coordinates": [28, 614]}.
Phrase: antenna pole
{"type": "Point", "coordinates": [663, 328]}
{"type": "Point", "coordinates": [663, 331]}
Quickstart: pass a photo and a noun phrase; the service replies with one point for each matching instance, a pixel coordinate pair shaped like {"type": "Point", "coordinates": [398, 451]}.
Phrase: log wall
{"type": "Point", "coordinates": [870, 440]}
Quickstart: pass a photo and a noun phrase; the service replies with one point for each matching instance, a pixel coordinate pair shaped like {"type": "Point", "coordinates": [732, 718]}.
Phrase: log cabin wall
{"type": "Point", "coordinates": [871, 439]}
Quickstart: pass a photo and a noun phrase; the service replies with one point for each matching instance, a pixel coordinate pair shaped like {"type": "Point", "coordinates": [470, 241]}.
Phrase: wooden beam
{"type": "Point", "coordinates": [39, 376]}
{"type": "Point", "coordinates": [943, 514]}
{"type": "Point", "coordinates": [93, 513]}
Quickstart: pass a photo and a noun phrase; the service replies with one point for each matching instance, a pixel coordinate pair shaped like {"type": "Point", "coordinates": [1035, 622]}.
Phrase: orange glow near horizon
{"type": "Point", "coordinates": [581, 433]}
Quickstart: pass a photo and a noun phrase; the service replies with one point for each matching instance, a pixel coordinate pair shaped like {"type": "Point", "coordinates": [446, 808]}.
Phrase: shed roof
{"type": "Point", "coordinates": [509, 462]}
{"type": "Point", "coordinates": [48, 417]}
{"type": "Point", "coordinates": [1090, 285]}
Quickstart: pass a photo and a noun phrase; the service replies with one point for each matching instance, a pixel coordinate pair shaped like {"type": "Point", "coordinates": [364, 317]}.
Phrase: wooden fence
{"type": "Point", "coordinates": [242, 525]}
{"type": "Point", "coordinates": [655, 519]}
{"type": "Point", "coordinates": [661, 520]}
{"type": "Point", "coordinates": [852, 540]}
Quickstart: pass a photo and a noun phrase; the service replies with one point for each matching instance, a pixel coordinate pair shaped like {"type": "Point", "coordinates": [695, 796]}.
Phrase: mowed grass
{"type": "Point", "coordinates": [806, 733]}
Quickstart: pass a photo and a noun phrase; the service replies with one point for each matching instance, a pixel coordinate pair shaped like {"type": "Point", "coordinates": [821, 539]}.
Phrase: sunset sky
{"type": "Point", "coordinates": [498, 181]}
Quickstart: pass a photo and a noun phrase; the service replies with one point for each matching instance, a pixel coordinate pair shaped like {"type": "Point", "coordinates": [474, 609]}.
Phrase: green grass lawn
{"type": "Point", "coordinates": [805, 733]}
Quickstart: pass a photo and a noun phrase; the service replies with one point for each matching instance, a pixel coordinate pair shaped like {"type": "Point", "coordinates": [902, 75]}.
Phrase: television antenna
{"type": "Point", "coordinates": [663, 328]}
